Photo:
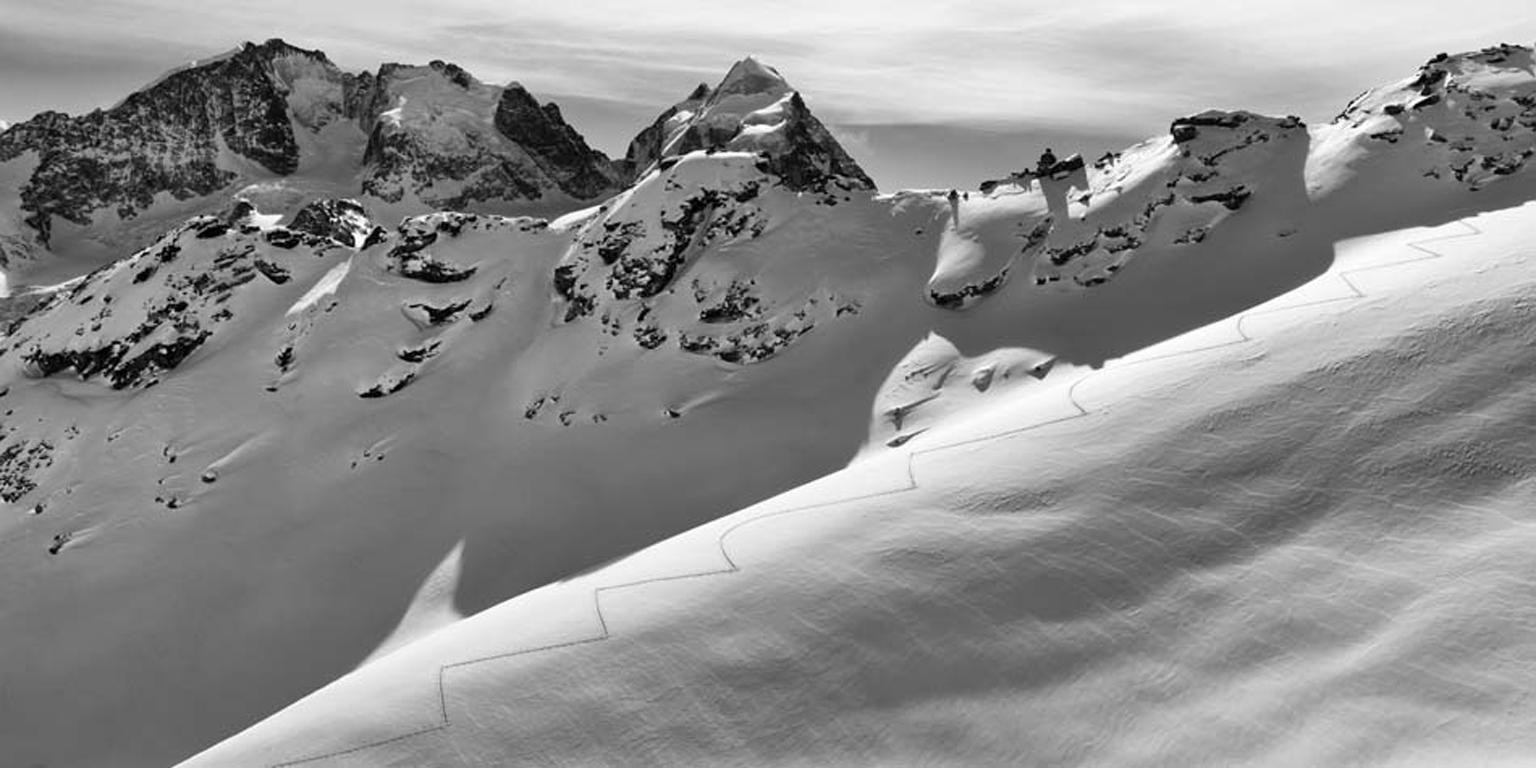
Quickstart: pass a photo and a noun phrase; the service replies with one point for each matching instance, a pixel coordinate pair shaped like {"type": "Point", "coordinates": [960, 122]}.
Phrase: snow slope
{"type": "Point", "coordinates": [1294, 537]}
{"type": "Point", "coordinates": [258, 454]}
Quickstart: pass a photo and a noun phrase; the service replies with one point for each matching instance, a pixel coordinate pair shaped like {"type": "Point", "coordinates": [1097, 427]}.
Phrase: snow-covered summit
{"type": "Point", "coordinates": [452, 142]}
{"type": "Point", "coordinates": [1469, 118]}
{"type": "Point", "coordinates": [284, 124]}
{"type": "Point", "coordinates": [750, 77]}
{"type": "Point", "coordinates": [753, 109]}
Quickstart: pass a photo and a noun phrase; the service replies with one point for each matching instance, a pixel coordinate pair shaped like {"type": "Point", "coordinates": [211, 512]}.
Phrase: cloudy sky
{"type": "Point", "coordinates": [932, 93]}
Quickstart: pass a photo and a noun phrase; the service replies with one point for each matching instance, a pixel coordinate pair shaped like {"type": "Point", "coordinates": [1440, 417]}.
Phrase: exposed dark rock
{"type": "Point", "coordinates": [436, 315]}
{"type": "Point", "coordinates": [274, 272]}
{"type": "Point", "coordinates": [814, 160]}
{"type": "Point", "coordinates": [166, 138]}
{"type": "Point", "coordinates": [282, 238]}
{"type": "Point", "coordinates": [545, 154]}
{"type": "Point", "coordinates": [738, 303]}
{"type": "Point", "coordinates": [20, 463]}
{"type": "Point", "coordinates": [650, 336]}
{"type": "Point", "coordinates": [342, 221]}
{"type": "Point", "coordinates": [417, 265]}
{"type": "Point", "coordinates": [646, 148]}
{"type": "Point", "coordinates": [387, 387]}
{"type": "Point", "coordinates": [419, 354]}
{"type": "Point", "coordinates": [1232, 199]}
{"type": "Point", "coordinates": [967, 293]}
{"type": "Point", "coordinates": [560, 152]}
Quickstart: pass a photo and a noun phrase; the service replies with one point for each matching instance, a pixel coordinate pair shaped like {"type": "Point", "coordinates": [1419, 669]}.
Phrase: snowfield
{"type": "Point", "coordinates": [1209, 452]}
{"type": "Point", "coordinates": [1265, 542]}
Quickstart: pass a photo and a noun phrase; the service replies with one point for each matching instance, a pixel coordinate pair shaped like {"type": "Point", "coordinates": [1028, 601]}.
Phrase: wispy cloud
{"type": "Point", "coordinates": [1093, 67]}
{"type": "Point", "coordinates": [867, 60]}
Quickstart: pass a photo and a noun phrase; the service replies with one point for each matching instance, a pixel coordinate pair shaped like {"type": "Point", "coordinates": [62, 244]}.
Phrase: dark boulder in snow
{"type": "Point", "coordinates": [342, 221]}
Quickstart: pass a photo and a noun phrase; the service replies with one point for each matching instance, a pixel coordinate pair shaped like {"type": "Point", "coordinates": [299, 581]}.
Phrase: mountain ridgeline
{"type": "Point", "coordinates": [298, 337]}
{"type": "Point", "coordinates": [405, 140]}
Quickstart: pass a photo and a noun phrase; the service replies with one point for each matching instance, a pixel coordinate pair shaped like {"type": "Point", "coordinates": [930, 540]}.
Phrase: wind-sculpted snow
{"type": "Point", "coordinates": [270, 412]}
{"type": "Point", "coordinates": [1165, 194]}
{"type": "Point", "coordinates": [1096, 587]}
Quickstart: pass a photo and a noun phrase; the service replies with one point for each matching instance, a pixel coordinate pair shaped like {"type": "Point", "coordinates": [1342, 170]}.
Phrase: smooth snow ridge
{"type": "Point", "coordinates": [675, 605]}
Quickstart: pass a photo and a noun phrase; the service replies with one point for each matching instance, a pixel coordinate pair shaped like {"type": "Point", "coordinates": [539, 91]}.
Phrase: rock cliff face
{"type": "Point", "coordinates": [555, 147]}
{"type": "Point", "coordinates": [647, 147]}
{"type": "Point", "coordinates": [442, 137]}
{"type": "Point", "coordinates": [175, 137]}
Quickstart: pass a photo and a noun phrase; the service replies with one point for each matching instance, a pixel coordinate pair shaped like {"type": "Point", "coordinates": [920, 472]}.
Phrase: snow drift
{"type": "Point", "coordinates": [267, 449]}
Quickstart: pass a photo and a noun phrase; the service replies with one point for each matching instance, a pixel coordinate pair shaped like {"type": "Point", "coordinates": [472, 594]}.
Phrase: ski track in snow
{"type": "Point", "coordinates": [730, 565]}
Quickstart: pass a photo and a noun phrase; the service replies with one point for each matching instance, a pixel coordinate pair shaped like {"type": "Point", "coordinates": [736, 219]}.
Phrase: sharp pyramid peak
{"type": "Point", "coordinates": [750, 76]}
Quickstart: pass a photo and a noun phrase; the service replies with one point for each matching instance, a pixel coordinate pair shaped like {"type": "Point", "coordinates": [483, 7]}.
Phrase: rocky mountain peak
{"type": "Point", "coordinates": [750, 77]}
{"type": "Point", "coordinates": [557, 149]}
{"type": "Point", "coordinates": [453, 72]}
{"type": "Point", "coordinates": [753, 109]}
{"type": "Point", "coordinates": [171, 138]}
{"type": "Point", "coordinates": [453, 142]}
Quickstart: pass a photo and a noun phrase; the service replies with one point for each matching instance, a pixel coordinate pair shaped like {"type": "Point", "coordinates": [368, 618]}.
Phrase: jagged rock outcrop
{"type": "Point", "coordinates": [128, 323]}
{"type": "Point", "coordinates": [344, 221]}
{"type": "Point", "coordinates": [647, 267]}
{"type": "Point", "coordinates": [556, 148]}
{"type": "Point", "coordinates": [1472, 115]}
{"type": "Point", "coordinates": [1166, 194]}
{"type": "Point", "coordinates": [1216, 162]}
{"type": "Point", "coordinates": [648, 146]}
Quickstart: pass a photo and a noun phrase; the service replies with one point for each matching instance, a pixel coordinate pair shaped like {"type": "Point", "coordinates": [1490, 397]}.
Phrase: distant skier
{"type": "Point", "coordinates": [954, 207]}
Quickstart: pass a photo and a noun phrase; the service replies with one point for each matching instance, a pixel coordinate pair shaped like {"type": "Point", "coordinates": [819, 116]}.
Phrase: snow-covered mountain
{"type": "Point", "coordinates": [281, 447]}
{"type": "Point", "coordinates": [281, 126]}
{"type": "Point", "coordinates": [753, 109]}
